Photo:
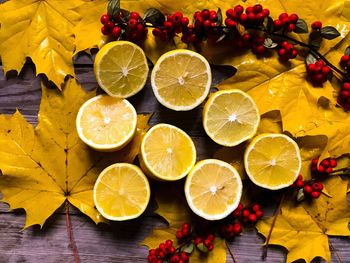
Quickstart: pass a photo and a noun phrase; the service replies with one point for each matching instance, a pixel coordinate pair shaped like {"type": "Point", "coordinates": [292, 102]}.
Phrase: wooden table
{"type": "Point", "coordinates": [118, 242]}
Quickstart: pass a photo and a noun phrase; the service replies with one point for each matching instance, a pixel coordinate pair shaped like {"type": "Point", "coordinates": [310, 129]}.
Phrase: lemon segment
{"type": "Point", "coordinates": [181, 79]}
{"type": "Point", "coordinates": [230, 117]}
{"type": "Point", "coordinates": [121, 69]}
{"type": "Point", "coordinates": [272, 161]}
{"type": "Point", "coordinates": [106, 123]}
{"type": "Point", "coordinates": [213, 189]}
{"type": "Point", "coordinates": [121, 192]}
{"type": "Point", "coordinates": [167, 153]}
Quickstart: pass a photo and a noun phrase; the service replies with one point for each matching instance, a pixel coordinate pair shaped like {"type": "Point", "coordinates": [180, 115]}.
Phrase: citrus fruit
{"type": "Point", "coordinates": [121, 192]}
{"type": "Point", "coordinates": [230, 117]}
{"type": "Point", "coordinates": [106, 123]}
{"type": "Point", "coordinates": [121, 69]}
{"type": "Point", "coordinates": [181, 79]}
{"type": "Point", "coordinates": [167, 153]}
{"type": "Point", "coordinates": [213, 189]}
{"type": "Point", "coordinates": [272, 161]}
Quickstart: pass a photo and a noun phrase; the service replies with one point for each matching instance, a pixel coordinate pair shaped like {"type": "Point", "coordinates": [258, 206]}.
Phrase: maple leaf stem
{"type": "Point", "coordinates": [277, 212]}
{"type": "Point", "coordinates": [231, 253]}
{"type": "Point", "coordinates": [70, 234]}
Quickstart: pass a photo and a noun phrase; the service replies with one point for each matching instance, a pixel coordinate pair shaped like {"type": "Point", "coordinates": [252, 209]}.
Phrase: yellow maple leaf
{"type": "Point", "coordinates": [303, 229]}
{"type": "Point", "coordinates": [173, 208]}
{"type": "Point", "coordinates": [45, 166]}
{"type": "Point", "coordinates": [41, 30]}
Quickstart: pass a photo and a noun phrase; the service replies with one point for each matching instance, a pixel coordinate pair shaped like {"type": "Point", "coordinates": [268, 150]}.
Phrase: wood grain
{"type": "Point", "coordinates": [118, 242]}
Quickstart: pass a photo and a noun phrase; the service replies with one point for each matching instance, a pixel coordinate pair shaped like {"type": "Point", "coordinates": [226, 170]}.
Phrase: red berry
{"type": "Point", "coordinates": [260, 17]}
{"type": "Point", "coordinates": [184, 21]}
{"type": "Point", "coordinates": [252, 218]}
{"type": "Point", "coordinates": [174, 259]}
{"type": "Point", "coordinates": [251, 17]}
{"type": "Point", "coordinates": [239, 9]}
{"type": "Point", "coordinates": [246, 38]}
{"type": "Point", "coordinates": [198, 240]}
{"type": "Point", "coordinates": [249, 10]}
{"type": "Point", "coordinates": [259, 214]}
{"type": "Point", "coordinates": [319, 63]}
{"type": "Point", "coordinates": [307, 189]}
{"type": "Point", "coordinates": [157, 32]}
{"type": "Point", "coordinates": [213, 16]}
{"type": "Point", "coordinates": [186, 226]}
{"type": "Point", "coordinates": [152, 259]}
{"type": "Point", "coordinates": [104, 19]}
{"type": "Point", "coordinates": [237, 228]}
{"type": "Point", "coordinates": [282, 52]}
{"type": "Point", "coordinates": [294, 53]}
{"type": "Point", "coordinates": [256, 207]}
{"type": "Point", "coordinates": [168, 243]}
{"type": "Point", "coordinates": [152, 252]}
{"type": "Point", "coordinates": [314, 161]}
{"type": "Point", "coordinates": [300, 177]}
{"type": "Point", "coordinates": [317, 186]}
{"type": "Point", "coordinates": [116, 31]}
{"type": "Point", "coordinates": [293, 18]}
{"type": "Point", "coordinates": [257, 8]}
{"type": "Point", "coordinates": [230, 23]}
{"type": "Point", "coordinates": [317, 25]}
{"type": "Point", "coordinates": [172, 250]}
{"type": "Point", "coordinates": [321, 168]}
{"type": "Point", "coordinates": [198, 22]}
{"type": "Point", "coordinates": [105, 30]}
{"type": "Point", "coordinates": [266, 12]}
{"type": "Point", "coordinates": [333, 162]}
{"type": "Point", "coordinates": [291, 27]}
{"type": "Point", "coordinates": [300, 183]}
{"type": "Point", "coordinates": [329, 170]}
{"type": "Point", "coordinates": [179, 234]}
{"type": "Point", "coordinates": [325, 163]}
{"type": "Point", "coordinates": [132, 23]}
{"type": "Point", "coordinates": [230, 13]}
{"type": "Point", "coordinates": [243, 18]}
{"type": "Point", "coordinates": [259, 50]}
{"type": "Point", "coordinates": [345, 94]}
{"type": "Point", "coordinates": [207, 24]}
{"type": "Point", "coordinates": [245, 213]}
{"type": "Point", "coordinates": [236, 213]}
{"type": "Point", "coordinates": [285, 21]}
{"type": "Point", "coordinates": [184, 256]}
{"type": "Point", "coordinates": [110, 25]}
{"type": "Point", "coordinates": [207, 243]}
{"type": "Point", "coordinates": [205, 14]}
{"type": "Point", "coordinates": [259, 40]}
{"type": "Point", "coordinates": [344, 58]}
{"type": "Point", "coordinates": [315, 194]}
{"type": "Point", "coordinates": [326, 70]}
{"type": "Point", "coordinates": [211, 237]}
{"type": "Point", "coordinates": [277, 24]}
{"type": "Point", "coordinates": [282, 16]}
{"type": "Point", "coordinates": [197, 14]}
{"type": "Point", "coordinates": [346, 86]}
{"type": "Point", "coordinates": [168, 26]}
{"type": "Point", "coordinates": [134, 15]}
{"type": "Point", "coordinates": [161, 254]}
{"type": "Point", "coordinates": [211, 247]}
{"type": "Point", "coordinates": [177, 17]}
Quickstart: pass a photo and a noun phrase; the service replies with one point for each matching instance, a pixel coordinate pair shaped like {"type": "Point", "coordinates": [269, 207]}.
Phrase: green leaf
{"type": "Point", "coordinates": [301, 26]}
{"type": "Point", "coordinates": [310, 59]}
{"type": "Point", "coordinates": [188, 248]}
{"type": "Point", "coordinates": [113, 8]}
{"type": "Point", "coordinates": [219, 14]}
{"type": "Point", "coordinates": [202, 248]}
{"type": "Point", "coordinates": [329, 32]}
{"type": "Point", "coordinates": [125, 14]}
{"type": "Point", "coordinates": [269, 25]}
{"type": "Point", "coordinates": [315, 39]}
{"type": "Point", "coordinates": [154, 16]}
{"type": "Point", "coordinates": [268, 43]}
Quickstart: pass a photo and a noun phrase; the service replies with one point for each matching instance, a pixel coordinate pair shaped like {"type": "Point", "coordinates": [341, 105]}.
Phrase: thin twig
{"type": "Point", "coordinates": [231, 253]}
{"type": "Point", "coordinates": [346, 169]}
{"type": "Point", "coordinates": [70, 235]}
{"type": "Point", "coordinates": [277, 212]}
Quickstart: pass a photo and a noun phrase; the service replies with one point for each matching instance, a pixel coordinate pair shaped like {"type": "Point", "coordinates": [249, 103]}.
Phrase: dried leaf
{"type": "Point", "coordinates": [44, 166]}
{"type": "Point", "coordinates": [304, 229]}
{"type": "Point", "coordinates": [41, 30]}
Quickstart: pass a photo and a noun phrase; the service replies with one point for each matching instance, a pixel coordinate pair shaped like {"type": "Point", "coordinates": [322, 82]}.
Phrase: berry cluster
{"type": "Point", "coordinates": [345, 62]}
{"type": "Point", "coordinates": [287, 51]}
{"type": "Point", "coordinates": [131, 25]}
{"type": "Point", "coordinates": [231, 230]}
{"type": "Point", "coordinates": [258, 47]}
{"type": "Point", "coordinates": [184, 232]}
{"type": "Point", "coordinates": [310, 188]}
{"type": "Point", "coordinates": [166, 252]}
{"type": "Point", "coordinates": [253, 16]}
{"type": "Point", "coordinates": [286, 22]}
{"type": "Point", "coordinates": [318, 72]}
{"type": "Point", "coordinates": [324, 168]}
{"type": "Point", "coordinates": [173, 24]}
{"type": "Point", "coordinates": [344, 96]}
{"type": "Point", "coordinates": [205, 243]}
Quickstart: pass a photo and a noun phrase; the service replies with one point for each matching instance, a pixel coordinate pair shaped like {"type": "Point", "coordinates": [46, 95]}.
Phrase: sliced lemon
{"type": "Point", "coordinates": [230, 117]}
{"type": "Point", "coordinates": [181, 79]}
{"type": "Point", "coordinates": [121, 69]}
{"type": "Point", "coordinates": [121, 192]}
{"type": "Point", "coordinates": [106, 123]}
{"type": "Point", "coordinates": [272, 161]}
{"type": "Point", "coordinates": [167, 153]}
{"type": "Point", "coordinates": [213, 189]}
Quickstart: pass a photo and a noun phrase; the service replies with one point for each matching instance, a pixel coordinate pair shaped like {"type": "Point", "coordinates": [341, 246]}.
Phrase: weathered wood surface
{"type": "Point", "coordinates": [118, 242]}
